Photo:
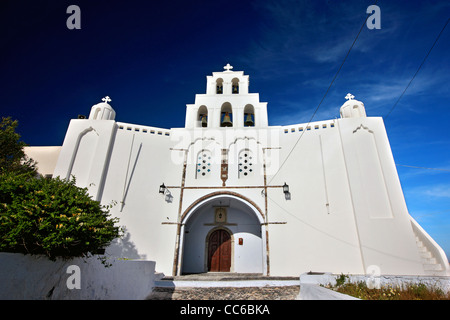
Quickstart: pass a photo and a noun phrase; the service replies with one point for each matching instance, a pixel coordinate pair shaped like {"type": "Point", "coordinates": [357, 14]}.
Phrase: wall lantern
{"type": "Point", "coordinates": [287, 194]}
{"type": "Point", "coordinates": [166, 192]}
{"type": "Point", "coordinates": [169, 197]}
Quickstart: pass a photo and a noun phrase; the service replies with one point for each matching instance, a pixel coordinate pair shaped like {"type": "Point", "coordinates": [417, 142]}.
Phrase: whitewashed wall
{"type": "Point", "coordinates": [346, 213]}
{"type": "Point", "coordinates": [26, 277]}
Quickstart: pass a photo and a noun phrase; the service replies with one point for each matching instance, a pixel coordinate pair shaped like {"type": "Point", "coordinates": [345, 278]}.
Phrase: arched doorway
{"type": "Point", "coordinates": [219, 250]}
{"type": "Point", "coordinates": [235, 241]}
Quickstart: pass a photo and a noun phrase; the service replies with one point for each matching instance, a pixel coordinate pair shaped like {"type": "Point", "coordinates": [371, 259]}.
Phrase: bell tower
{"type": "Point", "coordinates": [102, 110]}
{"type": "Point", "coordinates": [227, 103]}
{"type": "Point", "coordinates": [352, 108]}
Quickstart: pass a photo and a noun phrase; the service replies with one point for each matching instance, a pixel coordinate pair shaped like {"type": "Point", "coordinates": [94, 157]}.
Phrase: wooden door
{"type": "Point", "coordinates": [219, 251]}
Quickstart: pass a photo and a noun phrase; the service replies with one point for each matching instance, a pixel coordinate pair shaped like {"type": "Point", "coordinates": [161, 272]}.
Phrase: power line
{"type": "Point", "coordinates": [311, 225]}
{"type": "Point", "coordinates": [423, 61]}
{"type": "Point", "coordinates": [323, 98]}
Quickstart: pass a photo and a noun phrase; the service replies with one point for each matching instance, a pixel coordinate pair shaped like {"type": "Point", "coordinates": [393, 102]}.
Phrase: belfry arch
{"type": "Point", "coordinates": [243, 236]}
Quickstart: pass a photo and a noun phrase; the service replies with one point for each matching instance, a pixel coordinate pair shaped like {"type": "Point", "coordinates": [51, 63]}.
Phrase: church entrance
{"type": "Point", "coordinates": [222, 233]}
{"type": "Point", "coordinates": [219, 251]}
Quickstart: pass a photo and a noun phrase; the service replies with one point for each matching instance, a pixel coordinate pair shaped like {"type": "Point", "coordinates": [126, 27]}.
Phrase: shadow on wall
{"type": "Point", "coordinates": [124, 248]}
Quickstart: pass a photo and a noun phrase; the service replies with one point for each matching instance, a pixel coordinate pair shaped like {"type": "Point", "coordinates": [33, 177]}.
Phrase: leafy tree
{"type": "Point", "coordinates": [52, 217]}
{"type": "Point", "coordinates": [12, 156]}
{"type": "Point", "coordinates": [46, 216]}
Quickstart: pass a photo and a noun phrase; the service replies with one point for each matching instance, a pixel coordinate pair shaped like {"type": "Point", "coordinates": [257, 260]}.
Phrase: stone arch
{"type": "Point", "coordinates": [245, 221]}
{"type": "Point", "coordinates": [199, 201]}
{"type": "Point", "coordinates": [219, 86]}
{"type": "Point", "coordinates": [235, 86]}
{"type": "Point", "coordinates": [226, 110]}
{"type": "Point", "coordinates": [202, 116]}
{"type": "Point", "coordinates": [96, 114]}
{"type": "Point", "coordinates": [249, 116]}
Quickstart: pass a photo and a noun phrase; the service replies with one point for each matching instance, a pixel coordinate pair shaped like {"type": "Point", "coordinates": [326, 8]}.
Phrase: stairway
{"type": "Point", "coordinates": [430, 264]}
{"type": "Point", "coordinates": [226, 286]}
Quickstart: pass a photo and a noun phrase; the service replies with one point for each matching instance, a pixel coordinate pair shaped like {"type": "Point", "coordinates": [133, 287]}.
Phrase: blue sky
{"type": "Point", "coordinates": [152, 58]}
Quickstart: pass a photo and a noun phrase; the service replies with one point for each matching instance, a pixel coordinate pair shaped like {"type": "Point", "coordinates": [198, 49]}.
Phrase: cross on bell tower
{"type": "Point", "coordinates": [228, 67]}
{"type": "Point", "coordinates": [349, 96]}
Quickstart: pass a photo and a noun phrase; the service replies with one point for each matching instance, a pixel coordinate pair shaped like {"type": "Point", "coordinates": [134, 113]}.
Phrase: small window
{"type": "Point", "coordinates": [308, 128]}
{"type": "Point", "coordinates": [332, 125]}
{"type": "Point", "coordinates": [245, 164]}
{"type": "Point", "coordinates": [286, 130]}
{"type": "Point", "coordinates": [300, 129]}
{"type": "Point", "coordinates": [293, 130]}
{"type": "Point", "coordinates": [316, 127]}
{"type": "Point", "coordinates": [144, 130]}
{"type": "Point", "coordinates": [203, 168]}
{"type": "Point", "coordinates": [97, 112]}
{"type": "Point", "coordinates": [324, 126]}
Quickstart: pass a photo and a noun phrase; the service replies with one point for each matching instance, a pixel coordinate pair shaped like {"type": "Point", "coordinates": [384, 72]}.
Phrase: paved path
{"type": "Point", "coordinates": [226, 293]}
{"type": "Point", "coordinates": [219, 286]}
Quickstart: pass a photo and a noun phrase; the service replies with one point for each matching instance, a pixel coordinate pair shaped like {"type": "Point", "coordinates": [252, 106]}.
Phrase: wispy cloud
{"type": "Point", "coordinates": [310, 39]}
{"type": "Point", "coordinates": [435, 191]}
{"type": "Point", "coordinates": [296, 113]}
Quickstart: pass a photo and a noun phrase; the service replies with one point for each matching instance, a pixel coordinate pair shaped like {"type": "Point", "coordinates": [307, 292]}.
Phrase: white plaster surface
{"type": "Point", "coordinates": [346, 212]}
{"type": "Point", "coordinates": [315, 292]}
{"type": "Point", "coordinates": [25, 277]}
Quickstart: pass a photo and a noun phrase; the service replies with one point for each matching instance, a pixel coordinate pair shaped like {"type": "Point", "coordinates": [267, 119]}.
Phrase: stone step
{"type": "Point", "coordinates": [226, 280]}
{"type": "Point", "coordinates": [429, 261]}
{"type": "Point", "coordinates": [226, 293]}
{"type": "Point", "coordinates": [227, 276]}
{"type": "Point", "coordinates": [426, 254]}
{"type": "Point", "coordinates": [221, 286]}
{"type": "Point", "coordinates": [433, 267]}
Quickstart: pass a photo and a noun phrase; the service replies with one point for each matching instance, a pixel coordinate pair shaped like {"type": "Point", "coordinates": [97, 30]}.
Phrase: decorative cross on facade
{"type": "Point", "coordinates": [106, 99]}
{"type": "Point", "coordinates": [349, 96]}
{"type": "Point", "coordinates": [228, 67]}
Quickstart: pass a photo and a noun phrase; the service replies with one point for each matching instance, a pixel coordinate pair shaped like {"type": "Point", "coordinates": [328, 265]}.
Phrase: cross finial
{"type": "Point", "coordinates": [349, 96]}
{"type": "Point", "coordinates": [106, 99]}
{"type": "Point", "coordinates": [228, 67]}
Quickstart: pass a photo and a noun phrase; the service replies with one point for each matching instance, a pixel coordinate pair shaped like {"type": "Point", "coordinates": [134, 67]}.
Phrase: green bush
{"type": "Point", "coordinates": [12, 155]}
{"type": "Point", "coordinates": [52, 217]}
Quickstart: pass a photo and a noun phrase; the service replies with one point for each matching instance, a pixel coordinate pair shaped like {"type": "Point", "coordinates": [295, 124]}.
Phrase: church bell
{"type": "Point", "coordinates": [227, 121]}
{"type": "Point", "coordinates": [204, 121]}
{"type": "Point", "coordinates": [249, 121]}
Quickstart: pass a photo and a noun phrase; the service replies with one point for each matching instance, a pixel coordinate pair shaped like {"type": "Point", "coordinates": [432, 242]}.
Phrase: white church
{"type": "Point", "coordinates": [229, 193]}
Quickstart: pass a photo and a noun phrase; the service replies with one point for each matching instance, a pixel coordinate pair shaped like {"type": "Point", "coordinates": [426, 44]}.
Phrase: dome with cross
{"type": "Point", "coordinates": [102, 110]}
{"type": "Point", "coordinates": [352, 108]}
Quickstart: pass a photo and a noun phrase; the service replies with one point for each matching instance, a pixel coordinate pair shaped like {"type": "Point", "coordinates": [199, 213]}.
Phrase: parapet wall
{"type": "Point", "coordinates": [26, 277]}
